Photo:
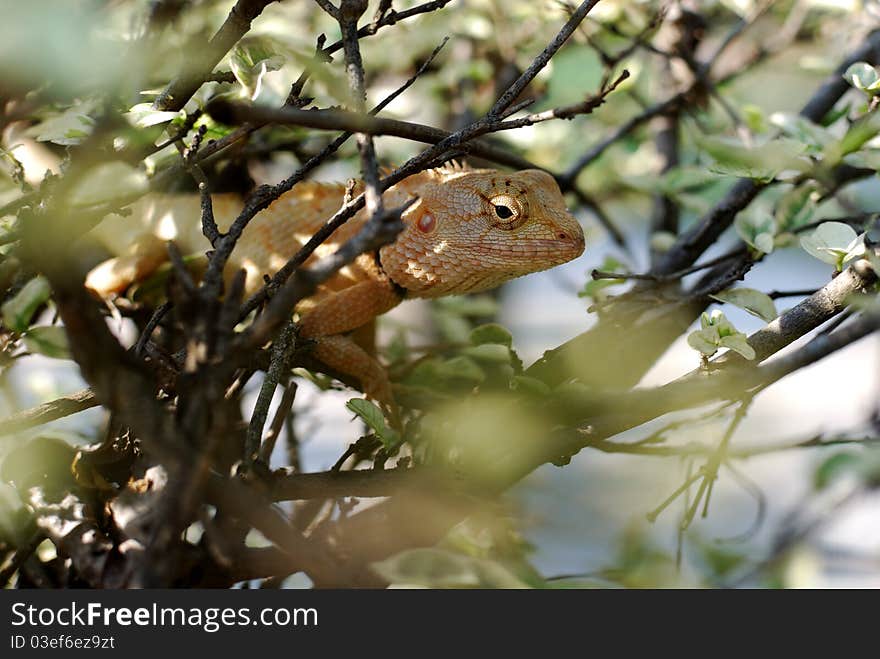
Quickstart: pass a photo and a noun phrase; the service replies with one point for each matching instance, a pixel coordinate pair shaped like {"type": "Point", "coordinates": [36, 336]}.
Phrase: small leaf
{"type": "Point", "coordinates": [109, 180]}
{"type": "Point", "coordinates": [758, 229]}
{"type": "Point", "coordinates": [857, 135]}
{"type": "Point", "coordinates": [868, 158]}
{"type": "Point", "coordinates": [755, 302]}
{"type": "Point", "coordinates": [832, 467]}
{"type": "Point", "coordinates": [738, 343]}
{"type": "Point", "coordinates": [370, 413]}
{"type": "Point", "coordinates": [48, 340]}
{"type": "Point", "coordinates": [68, 127]}
{"type": "Point", "coordinates": [862, 75]}
{"type": "Point", "coordinates": [18, 311]}
{"type": "Point", "coordinates": [461, 368]}
{"type": "Point", "coordinates": [492, 353]}
{"type": "Point", "coordinates": [703, 341]}
{"type": "Point", "coordinates": [441, 568]}
{"type": "Point", "coordinates": [250, 60]}
{"type": "Point", "coordinates": [480, 305]}
{"type": "Point", "coordinates": [803, 130]}
{"type": "Point", "coordinates": [829, 242]}
{"type": "Point", "coordinates": [529, 385]}
{"type": "Point", "coordinates": [143, 115]}
{"type": "Point", "coordinates": [662, 241]}
{"type": "Point", "coordinates": [491, 333]}
{"type": "Point", "coordinates": [796, 207]}
{"type": "Point", "coordinates": [765, 242]}
{"type": "Point", "coordinates": [761, 163]}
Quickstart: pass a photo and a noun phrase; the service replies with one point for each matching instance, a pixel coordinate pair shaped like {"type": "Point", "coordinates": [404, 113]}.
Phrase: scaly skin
{"type": "Point", "coordinates": [470, 230]}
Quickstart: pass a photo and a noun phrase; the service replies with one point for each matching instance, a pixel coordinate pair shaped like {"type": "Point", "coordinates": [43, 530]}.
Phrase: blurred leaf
{"type": "Point", "coordinates": [48, 340]}
{"type": "Point", "coordinates": [491, 333]}
{"type": "Point", "coordinates": [857, 135]}
{"type": "Point", "coordinates": [67, 127]}
{"type": "Point", "coordinates": [529, 385]}
{"type": "Point", "coordinates": [594, 287]}
{"type": "Point", "coordinates": [481, 305]}
{"type": "Point", "coordinates": [250, 60]}
{"type": "Point", "coordinates": [798, 128]}
{"type": "Point", "coordinates": [757, 229]}
{"type": "Point", "coordinates": [832, 467]}
{"type": "Point", "coordinates": [755, 302]}
{"type": "Point", "coordinates": [143, 115]}
{"type": "Point", "coordinates": [685, 179]}
{"type": "Point", "coordinates": [493, 353]}
{"type": "Point", "coordinates": [761, 163]}
{"type": "Point", "coordinates": [371, 415]}
{"type": "Point", "coordinates": [862, 75]}
{"type": "Point", "coordinates": [835, 114]}
{"type": "Point", "coordinates": [440, 568]}
{"type": "Point", "coordinates": [661, 241]}
{"type": "Point", "coordinates": [18, 311]}
{"type": "Point", "coordinates": [869, 158]}
{"type": "Point", "coordinates": [461, 368]}
{"type": "Point", "coordinates": [796, 207]}
{"type": "Point", "coordinates": [109, 180]}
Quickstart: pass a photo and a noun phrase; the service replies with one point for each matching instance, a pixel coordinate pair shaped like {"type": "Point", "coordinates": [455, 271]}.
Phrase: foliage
{"type": "Point", "coordinates": [694, 142]}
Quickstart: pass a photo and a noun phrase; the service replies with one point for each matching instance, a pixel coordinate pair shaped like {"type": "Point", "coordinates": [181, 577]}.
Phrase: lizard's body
{"type": "Point", "coordinates": [469, 230]}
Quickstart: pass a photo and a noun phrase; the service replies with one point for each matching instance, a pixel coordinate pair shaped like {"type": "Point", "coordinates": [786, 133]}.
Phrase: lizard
{"type": "Point", "coordinates": [468, 230]}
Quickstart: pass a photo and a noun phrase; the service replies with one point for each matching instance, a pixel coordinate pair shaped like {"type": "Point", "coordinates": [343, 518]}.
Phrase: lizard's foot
{"type": "Point", "coordinates": [342, 354]}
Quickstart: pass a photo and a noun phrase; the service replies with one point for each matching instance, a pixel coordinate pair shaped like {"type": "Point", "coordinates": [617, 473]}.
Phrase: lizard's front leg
{"type": "Point", "coordinates": [339, 313]}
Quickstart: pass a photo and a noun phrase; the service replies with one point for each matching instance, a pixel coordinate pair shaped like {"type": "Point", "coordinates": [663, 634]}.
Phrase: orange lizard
{"type": "Point", "coordinates": [469, 230]}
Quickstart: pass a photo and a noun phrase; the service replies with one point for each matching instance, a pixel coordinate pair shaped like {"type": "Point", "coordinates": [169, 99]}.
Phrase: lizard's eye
{"type": "Point", "coordinates": [508, 211]}
{"type": "Point", "coordinates": [503, 211]}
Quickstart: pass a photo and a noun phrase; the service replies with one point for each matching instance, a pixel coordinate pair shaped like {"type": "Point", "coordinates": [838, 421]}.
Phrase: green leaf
{"type": "Point", "coordinates": [862, 75]}
{"type": "Point", "coordinates": [370, 413]}
{"type": "Point", "coordinates": [685, 179]}
{"type": "Point", "coordinates": [441, 568]}
{"type": "Point", "coordinates": [830, 242]}
{"type": "Point", "coordinates": [703, 341]}
{"type": "Point", "coordinates": [803, 130]}
{"type": "Point", "coordinates": [529, 385]}
{"type": "Point", "coordinates": [109, 180]}
{"type": "Point", "coordinates": [492, 353]}
{"type": "Point", "coordinates": [662, 241]}
{"type": "Point", "coordinates": [758, 229]}
{"type": "Point", "coordinates": [594, 287]}
{"type": "Point", "coordinates": [859, 133]}
{"type": "Point", "coordinates": [833, 466]}
{"type": "Point", "coordinates": [68, 127]}
{"type": "Point", "coordinates": [491, 333]}
{"type": "Point", "coordinates": [717, 331]}
{"type": "Point", "coordinates": [461, 368]}
{"type": "Point", "coordinates": [765, 242]}
{"type": "Point", "coordinates": [250, 60]}
{"type": "Point", "coordinates": [18, 311]}
{"type": "Point", "coordinates": [761, 163]}
{"type": "Point", "coordinates": [480, 305]}
{"type": "Point", "coordinates": [796, 207]}
{"type": "Point", "coordinates": [143, 115]}
{"type": "Point", "coordinates": [869, 158]}
{"type": "Point", "coordinates": [755, 302]}
{"type": "Point", "coordinates": [738, 343]}
{"type": "Point", "coordinates": [48, 340]}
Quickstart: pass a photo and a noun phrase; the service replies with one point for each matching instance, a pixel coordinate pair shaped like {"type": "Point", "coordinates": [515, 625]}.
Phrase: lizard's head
{"type": "Point", "coordinates": [474, 229]}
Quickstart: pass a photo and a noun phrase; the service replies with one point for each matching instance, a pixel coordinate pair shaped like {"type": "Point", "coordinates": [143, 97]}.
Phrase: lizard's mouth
{"type": "Point", "coordinates": [559, 250]}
